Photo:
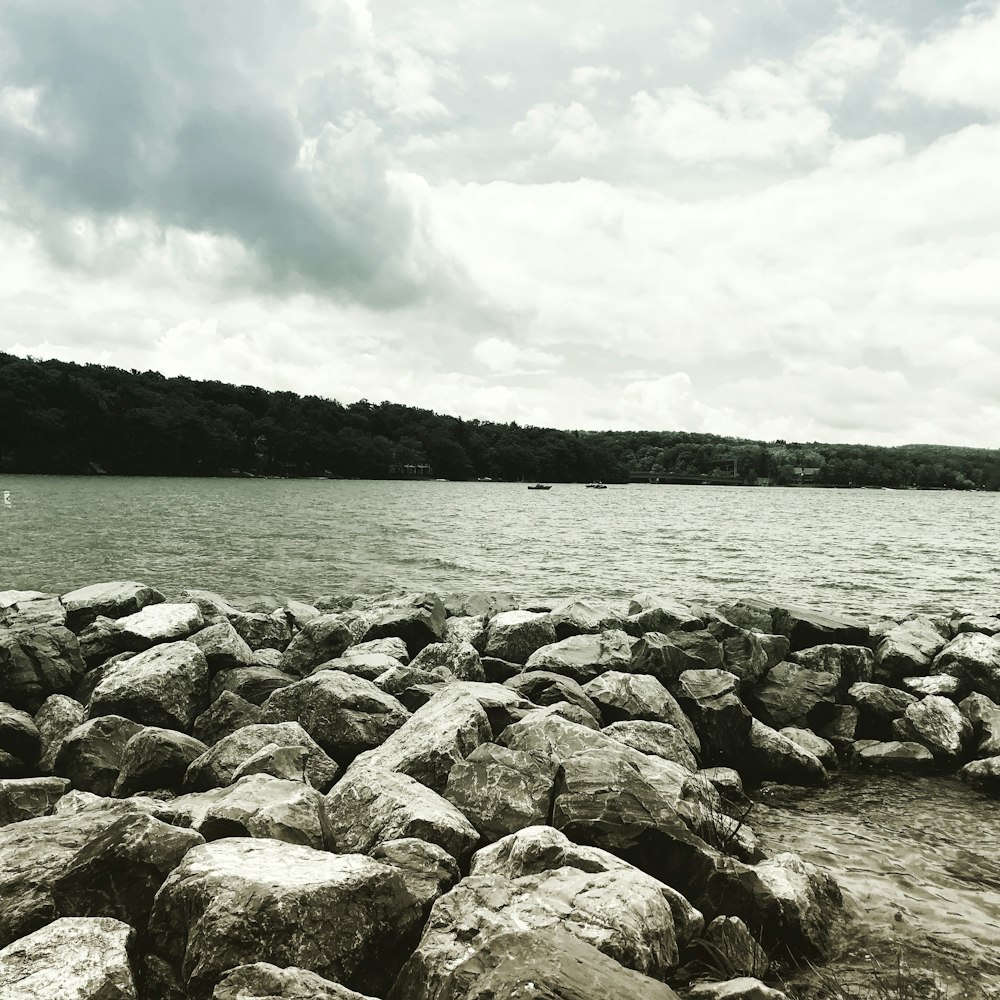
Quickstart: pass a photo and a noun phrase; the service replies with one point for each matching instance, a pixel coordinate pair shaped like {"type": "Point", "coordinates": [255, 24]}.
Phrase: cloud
{"type": "Point", "coordinates": [562, 131]}
{"type": "Point", "coordinates": [693, 39]}
{"type": "Point", "coordinates": [504, 358]}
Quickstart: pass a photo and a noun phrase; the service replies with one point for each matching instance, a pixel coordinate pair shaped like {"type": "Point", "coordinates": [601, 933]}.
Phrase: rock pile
{"type": "Point", "coordinates": [416, 799]}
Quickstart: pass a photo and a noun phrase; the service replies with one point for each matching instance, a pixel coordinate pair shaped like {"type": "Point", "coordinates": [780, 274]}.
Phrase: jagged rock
{"type": "Point", "coordinates": [743, 988]}
{"type": "Point", "coordinates": [228, 904]}
{"type": "Point", "coordinates": [391, 646]}
{"type": "Point", "coordinates": [537, 849]}
{"type": "Point", "coordinates": [502, 790]}
{"type": "Point", "coordinates": [300, 612]}
{"type": "Point", "coordinates": [515, 635]}
{"type": "Point", "coordinates": [13, 767]}
{"type": "Point", "coordinates": [983, 775]}
{"type": "Point", "coordinates": [461, 659]}
{"type": "Point", "coordinates": [31, 612]}
{"type": "Point", "coordinates": [55, 720]}
{"type": "Point", "coordinates": [984, 717]}
{"type": "Point", "coordinates": [261, 631]}
{"type": "Point", "coordinates": [73, 958]}
{"type": "Point", "coordinates": [345, 715]}
{"type": "Point", "coordinates": [262, 981]}
{"type": "Point", "coordinates": [791, 692]}
{"type": "Point", "coordinates": [584, 616]}
{"type": "Point", "coordinates": [287, 763]}
{"type": "Point", "coordinates": [418, 622]}
{"type": "Point", "coordinates": [503, 706]}
{"type": "Point", "coordinates": [118, 872]}
{"type": "Point", "coordinates": [165, 686]}
{"type": "Point", "coordinates": [18, 733]}
{"type": "Point", "coordinates": [217, 767]}
{"type": "Point", "coordinates": [709, 699]}
{"type": "Point", "coordinates": [399, 679]}
{"type": "Point", "coordinates": [851, 664]}
{"type": "Point", "coordinates": [651, 613]}
{"type": "Point", "coordinates": [29, 798]}
{"type": "Point", "coordinates": [223, 646]}
{"type": "Point", "coordinates": [805, 628]}
{"type": "Point", "coordinates": [91, 755]}
{"type": "Point", "coordinates": [214, 607]}
{"type": "Point", "coordinates": [156, 759]}
{"type": "Point", "coordinates": [370, 666]}
{"type": "Point", "coordinates": [429, 871]}
{"type": "Point", "coordinates": [657, 739]}
{"type": "Point", "coordinates": [893, 755]}
{"type": "Point", "coordinates": [768, 755]}
{"type": "Point", "coordinates": [940, 684]}
{"type": "Point", "coordinates": [223, 717]}
{"type": "Point", "coordinates": [625, 697]}
{"type": "Point", "coordinates": [499, 671]}
{"type": "Point", "coordinates": [974, 659]}
{"type": "Point", "coordinates": [435, 738]}
{"type": "Point", "coordinates": [543, 687]}
{"type": "Point", "coordinates": [368, 808]}
{"type": "Point", "coordinates": [728, 783]}
{"type": "Point", "coordinates": [938, 724]}
{"type": "Point", "coordinates": [479, 603]}
{"type": "Point", "coordinates": [838, 724]}
{"type": "Point", "coordinates": [908, 648]}
{"type": "Point", "coordinates": [155, 624]}
{"type": "Point", "coordinates": [324, 638]}
{"type": "Point", "coordinates": [466, 628]}
{"type": "Point", "coordinates": [750, 655]}
{"type": "Point", "coordinates": [823, 750]}
{"type": "Point", "coordinates": [255, 683]}
{"type": "Point", "coordinates": [879, 703]}
{"type": "Point", "coordinates": [109, 600]}
{"type": "Point", "coordinates": [730, 936]}
{"type": "Point", "coordinates": [755, 616]}
{"type": "Point", "coordinates": [262, 604]}
{"type": "Point", "coordinates": [553, 736]}
{"type": "Point", "coordinates": [985, 624]}
{"type": "Point", "coordinates": [583, 657]}
{"type": "Point", "coordinates": [36, 662]}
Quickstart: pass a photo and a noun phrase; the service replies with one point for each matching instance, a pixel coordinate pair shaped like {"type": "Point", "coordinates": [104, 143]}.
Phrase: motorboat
{"type": "Point", "coordinates": [539, 486]}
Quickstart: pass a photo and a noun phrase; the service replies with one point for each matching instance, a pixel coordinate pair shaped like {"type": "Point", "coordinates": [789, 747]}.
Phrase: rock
{"type": "Point", "coordinates": [502, 790]}
{"type": "Point", "coordinates": [651, 613]}
{"type": "Point", "coordinates": [166, 686]}
{"type": "Point", "coordinates": [260, 631]}
{"type": "Point", "coordinates": [398, 680]}
{"type": "Point", "coordinates": [904, 757]}
{"type": "Point", "coordinates": [55, 720]}
{"type": "Point", "coordinates": [324, 638]}
{"type": "Point", "coordinates": [709, 699]}
{"type": "Point", "coordinates": [262, 981]}
{"type": "Point", "coordinates": [463, 628]}
{"type": "Point", "coordinates": [750, 655]}
{"type": "Point", "coordinates": [391, 646]}
{"type": "Point", "coordinates": [214, 607]}
{"type": "Point", "coordinates": [217, 767]}
{"type": "Point", "coordinates": [345, 715]}
{"type": "Point", "coordinates": [838, 724]}
{"type": "Point", "coordinates": [983, 775]}
{"type": "Point", "coordinates": [805, 628]}
{"type": "Point", "coordinates": [503, 706]}
{"type": "Point", "coordinates": [986, 624]}
{"type": "Point", "coordinates": [13, 767]}
{"type": "Point", "coordinates": [755, 616]}
{"type": "Point", "coordinates": [74, 958]}
{"type": "Point", "coordinates": [36, 662]}
{"type": "Point", "coordinates": [109, 600]}
{"type": "Point", "coordinates": [974, 659]}
{"type": "Point", "coordinates": [940, 684]}
{"type": "Point", "coordinates": [791, 692]}
{"type": "Point", "coordinates": [418, 622]}
{"type": "Point", "coordinates": [554, 737]}
{"type": "Point", "coordinates": [537, 849]}
{"type": "Point", "coordinates": [730, 937]}
{"type": "Point", "coordinates": [728, 783]}
{"type": "Point", "coordinates": [223, 717]}
{"type": "Point", "coordinates": [515, 635]}
{"type": "Point", "coordinates": [229, 903]}
{"type": "Point", "coordinates": [368, 808]}
{"type": "Point", "coordinates": [657, 739]}
{"type": "Point", "coordinates": [938, 724]}
{"type": "Point", "coordinates": [625, 697]}
{"type": "Point", "coordinates": [28, 798]}
{"type": "Point", "coordinates": [370, 666]}
{"type": "Point", "coordinates": [478, 603]}
{"type": "Point", "coordinates": [851, 664]}
{"type": "Point", "coordinates": [91, 755]}
{"type": "Point", "coordinates": [743, 988]}
{"type": "Point", "coordinates": [18, 733]}
{"type": "Point", "coordinates": [223, 646]}
{"type": "Point", "coordinates": [499, 671]}
{"type": "Point", "coordinates": [907, 649]}
{"type": "Point", "coordinates": [572, 713]}
{"type": "Point", "coordinates": [543, 687]}
{"type": "Point", "coordinates": [445, 731]}
{"type": "Point", "coordinates": [460, 659]}
{"type": "Point", "coordinates": [984, 717]}
{"type": "Point", "coordinates": [160, 623]}
{"type": "Point", "coordinates": [768, 755]}
{"type": "Point", "coordinates": [287, 763]}
{"type": "Point", "coordinates": [583, 657]}
{"type": "Point", "coordinates": [118, 872]}
{"type": "Point", "coordinates": [584, 616]}
{"type": "Point", "coordinates": [255, 683]}
{"type": "Point", "coordinates": [878, 703]}
{"type": "Point", "coordinates": [823, 750]}
{"type": "Point", "coordinates": [429, 871]}
{"type": "Point", "coordinates": [10, 598]}
{"type": "Point", "coordinates": [154, 760]}
{"type": "Point", "coordinates": [659, 656]}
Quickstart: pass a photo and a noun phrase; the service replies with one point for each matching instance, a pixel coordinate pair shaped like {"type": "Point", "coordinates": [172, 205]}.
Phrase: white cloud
{"type": "Point", "coordinates": [562, 131]}
{"type": "Point", "coordinates": [504, 358]}
{"type": "Point", "coordinates": [693, 39]}
{"type": "Point", "coordinates": [585, 37]}
{"type": "Point", "coordinates": [587, 78]}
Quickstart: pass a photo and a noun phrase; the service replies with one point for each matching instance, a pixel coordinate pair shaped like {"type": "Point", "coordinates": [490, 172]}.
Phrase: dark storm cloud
{"type": "Point", "coordinates": [184, 115]}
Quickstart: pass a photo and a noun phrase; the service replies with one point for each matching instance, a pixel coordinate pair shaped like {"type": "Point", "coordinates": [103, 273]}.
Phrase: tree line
{"type": "Point", "coordinates": [63, 418]}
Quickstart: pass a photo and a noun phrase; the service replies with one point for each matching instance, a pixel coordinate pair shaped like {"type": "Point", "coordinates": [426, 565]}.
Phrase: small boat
{"type": "Point", "coordinates": [539, 486]}
{"type": "Point", "coordinates": [596, 486]}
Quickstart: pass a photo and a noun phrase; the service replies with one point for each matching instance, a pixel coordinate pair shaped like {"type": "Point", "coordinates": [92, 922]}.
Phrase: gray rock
{"type": "Point", "coordinates": [391, 646]}
{"type": "Point", "coordinates": [583, 657]}
{"type": "Point", "coordinates": [324, 638]}
{"type": "Point", "coordinates": [769, 756]}
{"type": "Point", "coordinates": [805, 628]}
{"type": "Point", "coordinates": [625, 697]}
{"type": "Point", "coordinates": [543, 687]}
{"type": "Point", "coordinates": [823, 750]}
{"type": "Point", "coordinates": [974, 659]}
{"type": "Point", "coordinates": [223, 646]}
{"type": "Point", "coordinates": [940, 684]}
{"type": "Point", "coordinates": [260, 631]}
{"type": "Point", "coordinates": [262, 981]}
{"type": "Point", "coordinates": [18, 733]}
{"type": "Point", "coordinates": [893, 755]}
{"type": "Point", "coordinates": [984, 717]}
{"type": "Point", "coordinates": [938, 724]}
{"type": "Point", "coordinates": [790, 694]}
{"type": "Point", "coordinates": [255, 683]}
{"type": "Point", "coordinates": [36, 662]}
{"type": "Point", "coordinates": [109, 600]}
{"type": "Point", "coordinates": [55, 720]}
{"type": "Point", "coordinates": [584, 616]}
{"type": "Point", "coordinates": [460, 659]}
{"type": "Point", "coordinates": [370, 666]}
{"type": "Point", "coordinates": [983, 775]}
{"type": "Point", "coordinates": [156, 759]}
{"type": "Point", "coordinates": [742, 988]}
{"type": "Point", "coordinates": [91, 755]}
{"type": "Point", "coordinates": [656, 654]}
{"type": "Point", "coordinates": [399, 679]}
{"type": "Point", "coordinates": [287, 763]}
{"type": "Point", "coordinates": [709, 699]}
{"type": "Point", "coordinates": [730, 937]}
{"type": "Point", "coordinates": [908, 648]}
{"type": "Point", "coordinates": [223, 717]}
{"type": "Point", "coordinates": [515, 635]}
{"type": "Point", "coordinates": [418, 622]}
{"type": "Point", "coordinates": [652, 613]}
{"type": "Point", "coordinates": [879, 702]}
{"type": "Point", "coordinates": [429, 871]}
{"type": "Point", "coordinates": [657, 739]}
{"type": "Point", "coordinates": [29, 798]}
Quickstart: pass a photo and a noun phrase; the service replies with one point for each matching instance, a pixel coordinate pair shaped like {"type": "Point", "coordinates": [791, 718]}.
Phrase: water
{"type": "Point", "coordinates": [865, 552]}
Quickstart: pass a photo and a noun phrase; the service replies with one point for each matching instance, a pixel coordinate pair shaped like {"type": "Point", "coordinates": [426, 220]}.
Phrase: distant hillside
{"type": "Point", "coordinates": [57, 417]}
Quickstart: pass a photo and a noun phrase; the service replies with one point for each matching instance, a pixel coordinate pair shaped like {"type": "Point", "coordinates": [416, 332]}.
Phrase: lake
{"type": "Point", "coordinates": [866, 552]}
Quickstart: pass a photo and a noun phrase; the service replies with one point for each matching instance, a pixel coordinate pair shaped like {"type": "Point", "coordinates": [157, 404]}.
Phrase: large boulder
{"type": "Point", "coordinates": [623, 697]}
{"type": "Point", "coordinates": [851, 664]}
{"type": "Point", "coordinates": [109, 600]}
{"type": "Point", "coordinates": [28, 798]}
{"type": "Point", "coordinates": [18, 733]}
{"type": "Point", "coordinates": [223, 717]}
{"type": "Point", "coordinates": [879, 704]}
{"type": "Point", "coordinates": [418, 622]}
{"type": "Point", "coordinates": [710, 700]}
{"type": "Point", "coordinates": [584, 616]}
{"type": "Point", "coordinates": [550, 735]}
{"type": "Point", "coordinates": [155, 624]}
{"type": "Point", "coordinates": [657, 739]}
{"type": "Point", "coordinates": [769, 756]}
{"type": "Point", "coordinates": [55, 720]}
{"type": "Point", "coordinates": [543, 687]}
{"type": "Point", "coordinates": [791, 692]}
{"type": "Point", "coordinates": [984, 716]}
{"type": "Point", "coordinates": [346, 917]}
{"type": "Point", "coordinates": [460, 659]}
{"type": "Point", "coordinates": [653, 613]}
{"type": "Point", "coordinates": [324, 638]}
{"type": "Point", "coordinates": [368, 808]}
{"type": "Point", "coordinates": [974, 658]}
{"type": "Point", "coordinates": [938, 724]}
{"type": "Point", "coordinates": [263, 981]}
{"type": "Point", "coordinates": [254, 683]}
{"type": "Point", "coordinates": [74, 958]}
{"type": "Point", "coordinates": [515, 635]}
{"type": "Point", "coordinates": [38, 661]}
{"type": "Point", "coordinates": [983, 775]}
{"type": "Point", "coordinates": [223, 646]}
{"type": "Point", "coordinates": [443, 732]}
{"type": "Point", "coordinates": [750, 655]}
{"type": "Point", "coordinates": [156, 760]}
{"type": "Point", "coordinates": [907, 649]}
{"type": "Point", "coordinates": [91, 755]}
{"type": "Point", "coordinates": [823, 750]}
{"type": "Point", "coordinates": [262, 631]}
{"type": "Point", "coordinates": [583, 657]}
{"type": "Point", "coordinates": [804, 627]}
{"type": "Point", "coordinates": [345, 715]}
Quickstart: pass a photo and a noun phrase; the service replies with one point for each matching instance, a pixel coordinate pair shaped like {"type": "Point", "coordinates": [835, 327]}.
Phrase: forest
{"type": "Point", "coordinates": [62, 418]}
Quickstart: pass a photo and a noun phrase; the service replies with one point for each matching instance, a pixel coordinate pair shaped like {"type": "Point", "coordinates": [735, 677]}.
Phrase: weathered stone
{"type": "Point", "coordinates": [583, 657]}
{"type": "Point", "coordinates": [851, 664]}
{"type": "Point", "coordinates": [750, 655]}
{"type": "Point", "coordinates": [13, 767]}
{"type": "Point", "coordinates": [429, 871]}
{"type": "Point", "coordinates": [479, 603]}
{"type": "Point", "coordinates": [36, 662]}
{"type": "Point", "coordinates": [893, 755]}
{"type": "Point", "coordinates": [985, 624]}
{"type": "Point", "coordinates": [625, 697]}
{"type": "Point", "coordinates": [18, 733]}
{"type": "Point", "coordinates": [109, 600]}
{"type": "Point", "coordinates": [973, 658]}
{"type": "Point", "coordinates": [223, 646]}
{"type": "Point", "coordinates": [29, 798]}
{"type": "Point", "coordinates": [721, 720]}
{"type": "Point", "coordinates": [502, 790]}
{"type": "Point", "coordinates": [838, 724]}
{"type": "Point", "coordinates": [660, 614]}
{"type": "Point", "coordinates": [657, 739]}
{"type": "Point", "coordinates": [446, 730]}
{"type": "Point", "coordinates": [823, 750]}
{"type": "Point", "coordinates": [390, 645]}
{"type": "Point", "coordinates": [568, 711]}
{"type": "Point", "coordinates": [728, 783]}
{"type": "Point", "coordinates": [368, 808]}
{"type": "Point", "coordinates": [55, 720]}
{"type": "Point", "coordinates": [503, 705]}
{"type": "Point", "coordinates": [769, 756]}
{"type": "Point", "coordinates": [805, 628]}
{"type": "Point", "coordinates": [91, 755]}
{"type": "Point", "coordinates": [907, 649]}
{"type": "Point", "coordinates": [287, 763]}
{"type": "Point", "coordinates": [214, 607]}
{"type": "Point", "coordinates": [659, 656]}
{"type": "Point", "coordinates": [223, 717]}
{"type": "Point", "coordinates": [324, 638]}
{"type": "Point", "coordinates": [347, 918]}
{"type": "Point", "coordinates": [399, 679]}
{"type": "Point", "coordinates": [255, 683]}
{"type": "Point", "coordinates": [790, 693]}
{"type": "Point", "coordinates": [880, 703]}
{"type": "Point", "coordinates": [938, 724]}
{"type": "Point", "coordinates": [74, 958]}
{"type": "Point", "coordinates": [984, 717]}
{"type": "Point", "coordinates": [262, 981]}
{"type": "Point", "coordinates": [261, 631]}
{"type": "Point", "coordinates": [515, 635]}
{"type": "Point", "coordinates": [461, 659]}
{"type": "Point", "coordinates": [156, 759]}
{"type": "Point", "coordinates": [741, 988]}
{"type": "Point", "coordinates": [730, 937]}
{"type": "Point", "coordinates": [217, 766]}
{"type": "Point", "coordinates": [370, 666]}
{"type": "Point", "coordinates": [552, 736]}
{"type": "Point", "coordinates": [165, 686]}
{"type": "Point", "coordinates": [940, 684]}
{"type": "Point", "coordinates": [543, 687]}
{"type": "Point", "coordinates": [584, 616]}
{"type": "Point", "coordinates": [418, 622]}
{"type": "Point", "coordinates": [983, 775]}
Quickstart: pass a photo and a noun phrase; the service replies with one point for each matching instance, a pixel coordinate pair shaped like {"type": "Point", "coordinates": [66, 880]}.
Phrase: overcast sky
{"type": "Point", "coordinates": [772, 218]}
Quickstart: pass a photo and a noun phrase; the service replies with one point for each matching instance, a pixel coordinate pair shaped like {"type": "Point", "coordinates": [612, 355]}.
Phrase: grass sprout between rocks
{"type": "Point", "coordinates": [898, 981]}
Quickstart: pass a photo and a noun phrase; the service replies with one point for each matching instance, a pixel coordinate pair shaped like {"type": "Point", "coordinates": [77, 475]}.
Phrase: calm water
{"type": "Point", "coordinates": [861, 551]}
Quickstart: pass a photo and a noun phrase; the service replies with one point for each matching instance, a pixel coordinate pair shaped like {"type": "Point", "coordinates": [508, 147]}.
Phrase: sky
{"type": "Point", "coordinates": [771, 219]}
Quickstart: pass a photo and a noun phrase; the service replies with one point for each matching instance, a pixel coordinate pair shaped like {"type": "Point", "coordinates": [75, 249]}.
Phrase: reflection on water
{"type": "Point", "coordinates": [919, 859]}
{"type": "Point", "coordinates": [860, 551]}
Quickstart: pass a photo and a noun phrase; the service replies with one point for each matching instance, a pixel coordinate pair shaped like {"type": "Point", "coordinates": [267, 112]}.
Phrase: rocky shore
{"type": "Point", "coordinates": [414, 797]}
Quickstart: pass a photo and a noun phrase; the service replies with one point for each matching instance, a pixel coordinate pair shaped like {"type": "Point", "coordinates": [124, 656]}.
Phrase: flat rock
{"type": "Point", "coordinates": [893, 755]}
{"type": "Point", "coordinates": [263, 981]}
{"type": "Point", "coordinates": [804, 627]}
{"type": "Point", "coordinates": [515, 635]}
{"type": "Point", "coordinates": [109, 600]}
{"type": "Point", "coordinates": [741, 988]}
{"type": "Point", "coordinates": [28, 798]}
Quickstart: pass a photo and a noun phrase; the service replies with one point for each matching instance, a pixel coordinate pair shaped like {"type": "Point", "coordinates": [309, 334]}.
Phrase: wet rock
{"type": "Point", "coordinates": [984, 717]}
{"type": "Point", "coordinates": [974, 659]}
{"type": "Point", "coordinates": [657, 739]}
{"type": "Point", "coordinates": [940, 684]}
{"type": "Point", "coordinates": [728, 783]}
{"type": "Point", "coordinates": [721, 720]}
{"type": "Point", "coordinates": [753, 616]}
{"type": "Point", "coordinates": [324, 638]}
{"type": "Point", "coordinates": [429, 871]}
{"type": "Point", "coordinates": [838, 724]}
{"type": "Point", "coordinates": [769, 756]}
{"type": "Point", "coordinates": [730, 937]}
{"type": "Point", "coordinates": [74, 958]}
{"type": "Point", "coordinates": [805, 628]}
{"type": "Point", "coordinates": [902, 757]}
{"type": "Point", "coordinates": [515, 635]}
{"type": "Point", "coordinates": [983, 775]}
{"type": "Point", "coordinates": [625, 697]}
{"type": "Point", "coordinates": [908, 648]}
{"type": "Point", "coordinates": [938, 724]}
{"type": "Point", "coordinates": [109, 600]}
{"type": "Point", "coordinates": [879, 703]}
{"type": "Point", "coordinates": [55, 720]}
{"type": "Point", "coordinates": [345, 715]}
{"type": "Point", "coordinates": [418, 623]}
{"type": "Point", "coordinates": [368, 808]}
{"type": "Point", "coordinates": [255, 683]}
{"type": "Point", "coordinates": [743, 988]}
{"type": "Point", "coordinates": [228, 904]}
{"type": "Point", "coordinates": [36, 662]}
{"type": "Point", "coordinates": [791, 692]}
{"type": "Point", "coordinates": [443, 732]}
{"type": "Point", "coordinates": [460, 659]}
{"type": "Point", "coordinates": [652, 613]}
{"type": "Point", "coordinates": [156, 759]}
{"type": "Point", "coordinates": [583, 657]}
{"type": "Point", "coordinates": [227, 713]}
{"type": "Point", "coordinates": [750, 655]}
{"type": "Point", "coordinates": [18, 733]}
{"type": "Point", "coordinates": [502, 790]}
{"type": "Point", "coordinates": [224, 648]}
{"type": "Point", "coordinates": [543, 687]}
{"type": "Point", "coordinates": [118, 872]}
{"type": "Point", "coordinates": [262, 981]}
{"type": "Point", "coordinates": [28, 798]}
{"type": "Point", "coordinates": [584, 616]}
{"type": "Point", "coordinates": [823, 750]}
{"type": "Point", "coordinates": [166, 686]}
{"type": "Point", "coordinates": [287, 763]}
{"type": "Point", "coordinates": [91, 755]}
{"type": "Point", "coordinates": [659, 656]}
